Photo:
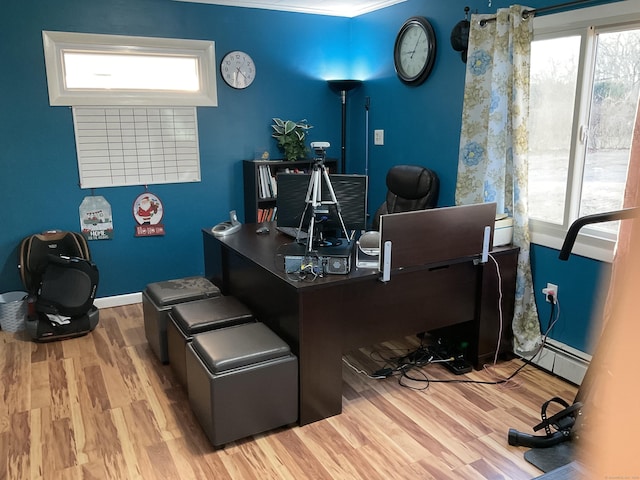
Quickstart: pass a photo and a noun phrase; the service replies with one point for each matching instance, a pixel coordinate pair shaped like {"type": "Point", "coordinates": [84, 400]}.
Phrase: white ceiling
{"type": "Point", "coordinates": [339, 8]}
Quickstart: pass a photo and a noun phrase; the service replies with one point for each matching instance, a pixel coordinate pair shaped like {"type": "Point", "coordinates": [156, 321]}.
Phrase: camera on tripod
{"type": "Point", "coordinates": [320, 149]}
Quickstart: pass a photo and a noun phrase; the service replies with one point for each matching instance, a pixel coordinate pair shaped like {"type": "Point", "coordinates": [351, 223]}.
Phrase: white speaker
{"type": "Point", "coordinates": [368, 250]}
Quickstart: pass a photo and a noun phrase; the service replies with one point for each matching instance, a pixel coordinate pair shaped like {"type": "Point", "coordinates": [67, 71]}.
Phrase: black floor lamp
{"type": "Point", "coordinates": [342, 87]}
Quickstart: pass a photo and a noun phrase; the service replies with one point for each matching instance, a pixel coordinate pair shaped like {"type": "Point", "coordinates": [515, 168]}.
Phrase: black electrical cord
{"type": "Point", "coordinates": [401, 366]}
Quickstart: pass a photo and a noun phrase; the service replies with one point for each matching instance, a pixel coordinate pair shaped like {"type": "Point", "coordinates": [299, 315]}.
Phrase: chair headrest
{"type": "Point", "coordinates": [410, 181]}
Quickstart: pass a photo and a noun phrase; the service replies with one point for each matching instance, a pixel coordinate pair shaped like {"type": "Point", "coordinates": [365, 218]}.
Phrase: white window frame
{"type": "Point", "coordinates": [589, 243]}
{"type": "Point", "coordinates": [57, 43]}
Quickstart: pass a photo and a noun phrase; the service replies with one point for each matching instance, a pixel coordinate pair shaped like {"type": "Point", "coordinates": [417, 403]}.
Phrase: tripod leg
{"type": "Point", "coordinates": [314, 198]}
{"type": "Point", "coordinates": [308, 200]}
{"type": "Point", "coordinates": [334, 200]}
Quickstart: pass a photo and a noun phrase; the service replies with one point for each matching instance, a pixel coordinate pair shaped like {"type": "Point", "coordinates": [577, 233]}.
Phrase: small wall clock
{"type": "Point", "coordinates": [414, 51]}
{"type": "Point", "coordinates": [237, 69]}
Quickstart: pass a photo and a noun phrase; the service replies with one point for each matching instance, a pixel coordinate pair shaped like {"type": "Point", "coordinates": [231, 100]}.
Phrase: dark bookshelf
{"type": "Point", "coordinates": [258, 198]}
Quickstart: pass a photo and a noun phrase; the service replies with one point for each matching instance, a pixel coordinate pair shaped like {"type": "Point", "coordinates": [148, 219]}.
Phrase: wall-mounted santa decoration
{"type": "Point", "coordinates": [148, 212]}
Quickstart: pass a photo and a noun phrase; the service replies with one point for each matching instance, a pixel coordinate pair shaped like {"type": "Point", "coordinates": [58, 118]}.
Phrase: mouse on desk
{"type": "Point", "coordinates": [262, 230]}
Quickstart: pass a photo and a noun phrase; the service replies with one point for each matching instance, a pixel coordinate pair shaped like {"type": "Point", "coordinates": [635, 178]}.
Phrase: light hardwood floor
{"type": "Point", "coordinates": [101, 406]}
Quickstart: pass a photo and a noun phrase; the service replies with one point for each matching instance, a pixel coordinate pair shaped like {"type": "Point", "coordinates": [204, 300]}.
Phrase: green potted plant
{"type": "Point", "coordinates": [291, 137]}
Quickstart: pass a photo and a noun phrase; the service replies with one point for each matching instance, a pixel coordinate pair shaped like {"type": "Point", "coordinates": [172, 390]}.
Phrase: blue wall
{"type": "Point", "coordinates": [582, 290]}
{"type": "Point", "coordinates": [294, 54]}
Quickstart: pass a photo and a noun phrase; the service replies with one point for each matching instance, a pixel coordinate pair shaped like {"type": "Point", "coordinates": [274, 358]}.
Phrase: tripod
{"type": "Point", "coordinates": [319, 207]}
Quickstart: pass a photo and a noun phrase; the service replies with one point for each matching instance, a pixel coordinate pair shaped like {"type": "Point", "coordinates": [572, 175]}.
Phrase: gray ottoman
{"type": "Point", "coordinates": [190, 318]}
{"type": "Point", "coordinates": [158, 299]}
{"type": "Point", "coordinates": [241, 381]}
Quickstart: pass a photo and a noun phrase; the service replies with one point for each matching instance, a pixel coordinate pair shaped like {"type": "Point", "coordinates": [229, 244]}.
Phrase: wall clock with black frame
{"type": "Point", "coordinates": [414, 52]}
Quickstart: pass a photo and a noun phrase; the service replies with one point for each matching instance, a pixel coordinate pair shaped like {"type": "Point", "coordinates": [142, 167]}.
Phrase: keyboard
{"type": "Point", "coordinates": [292, 232]}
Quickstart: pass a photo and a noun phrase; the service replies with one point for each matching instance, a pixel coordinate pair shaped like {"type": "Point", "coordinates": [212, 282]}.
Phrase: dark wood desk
{"type": "Point", "coordinates": [334, 314]}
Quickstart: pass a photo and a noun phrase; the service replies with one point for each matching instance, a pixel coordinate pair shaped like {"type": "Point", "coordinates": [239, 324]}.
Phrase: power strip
{"type": "Point", "coordinates": [458, 366]}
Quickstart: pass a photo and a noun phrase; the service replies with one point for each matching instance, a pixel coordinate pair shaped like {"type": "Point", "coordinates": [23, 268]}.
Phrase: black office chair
{"type": "Point", "coordinates": [409, 188]}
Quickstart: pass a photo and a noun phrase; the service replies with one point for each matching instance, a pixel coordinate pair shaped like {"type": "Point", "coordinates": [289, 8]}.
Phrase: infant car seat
{"type": "Point", "coordinates": [57, 272]}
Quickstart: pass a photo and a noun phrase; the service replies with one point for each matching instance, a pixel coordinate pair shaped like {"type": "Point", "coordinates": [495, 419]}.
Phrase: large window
{"type": "Point", "coordinates": [585, 83]}
{"type": "Point", "coordinates": [92, 69]}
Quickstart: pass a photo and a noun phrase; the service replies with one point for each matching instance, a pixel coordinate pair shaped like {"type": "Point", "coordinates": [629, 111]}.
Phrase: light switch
{"type": "Point", "coordinates": [378, 137]}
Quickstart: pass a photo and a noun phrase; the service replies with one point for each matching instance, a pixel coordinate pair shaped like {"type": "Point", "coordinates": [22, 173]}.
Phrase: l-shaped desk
{"type": "Point", "coordinates": [334, 314]}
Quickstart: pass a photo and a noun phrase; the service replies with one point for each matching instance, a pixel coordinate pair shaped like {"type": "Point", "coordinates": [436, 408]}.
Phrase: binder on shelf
{"type": "Point", "coordinates": [266, 182]}
{"type": "Point", "coordinates": [272, 182]}
{"type": "Point", "coordinates": [262, 183]}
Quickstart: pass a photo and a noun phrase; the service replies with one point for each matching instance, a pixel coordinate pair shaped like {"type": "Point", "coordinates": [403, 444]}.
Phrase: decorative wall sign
{"type": "Point", "coordinates": [96, 222]}
{"type": "Point", "coordinates": [148, 212]}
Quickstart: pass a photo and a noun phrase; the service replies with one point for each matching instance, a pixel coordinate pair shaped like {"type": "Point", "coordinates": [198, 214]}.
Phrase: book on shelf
{"type": "Point", "coordinates": [267, 214]}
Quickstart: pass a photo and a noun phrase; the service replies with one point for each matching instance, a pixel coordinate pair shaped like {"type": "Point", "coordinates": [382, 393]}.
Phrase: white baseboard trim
{"type": "Point", "coordinates": [118, 300]}
{"type": "Point", "coordinates": [564, 361]}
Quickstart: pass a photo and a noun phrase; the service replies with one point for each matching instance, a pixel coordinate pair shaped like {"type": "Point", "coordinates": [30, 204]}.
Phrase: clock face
{"type": "Point", "coordinates": [414, 51]}
{"type": "Point", "coordinates": [237, 69]}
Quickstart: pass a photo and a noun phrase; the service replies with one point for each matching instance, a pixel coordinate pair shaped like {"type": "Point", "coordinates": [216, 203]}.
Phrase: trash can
{"type": "Point", "coordinates": [13, 311]}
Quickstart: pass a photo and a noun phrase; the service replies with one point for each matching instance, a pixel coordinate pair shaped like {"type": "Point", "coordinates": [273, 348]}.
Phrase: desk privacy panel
{"type": "Point", "coordinates": [436, 236]}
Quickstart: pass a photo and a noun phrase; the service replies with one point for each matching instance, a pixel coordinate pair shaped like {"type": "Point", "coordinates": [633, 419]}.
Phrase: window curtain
{"type": "Point", "coordinates": [492, 164]}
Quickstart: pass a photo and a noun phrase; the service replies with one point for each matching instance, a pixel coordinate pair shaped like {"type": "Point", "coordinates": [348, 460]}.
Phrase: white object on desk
{"type": "Point", "coordinates": [503, 230]}
{"type": "Point", "coordinates": [368, 250]}
{"type": "Point", "coordinates": [386, 265]}
{"type": "Point", "coordinates": [227, 228]}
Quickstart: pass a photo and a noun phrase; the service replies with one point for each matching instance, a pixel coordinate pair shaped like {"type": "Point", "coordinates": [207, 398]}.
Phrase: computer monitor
{"type": "Point", "coordinates": [351, 194]}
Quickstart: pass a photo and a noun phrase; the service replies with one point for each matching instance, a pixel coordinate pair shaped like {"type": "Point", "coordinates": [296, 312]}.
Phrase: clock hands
{"type": "Point", "coordinates": [241, 73]}
{"type": "Point", "coordinates": [238, 69]}
{"type": "Point", "coordinates": [412, 52]}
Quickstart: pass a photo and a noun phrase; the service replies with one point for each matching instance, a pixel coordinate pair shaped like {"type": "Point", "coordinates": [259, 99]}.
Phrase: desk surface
{"type": "Point", "coordinates": [268, 250]}
{"type": "Point", "coordinates": [322, 319]}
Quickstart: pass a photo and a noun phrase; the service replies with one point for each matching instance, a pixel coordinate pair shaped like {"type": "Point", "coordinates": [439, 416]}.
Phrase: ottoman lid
{"type": "Point", "coordinates": [180, 290]}
{"type": "Point", "coordinates": [210, 313]}
{"type": "Point", "coordinates": [238, 346]}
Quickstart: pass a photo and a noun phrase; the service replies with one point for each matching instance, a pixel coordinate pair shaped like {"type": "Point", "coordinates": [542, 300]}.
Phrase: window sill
{"type": "Point", "coordinates": [586, 245]}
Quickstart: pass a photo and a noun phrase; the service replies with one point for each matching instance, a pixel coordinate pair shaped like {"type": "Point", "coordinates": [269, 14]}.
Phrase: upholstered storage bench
{"type": "Point", "coordinates": [190, 318]}
{"type": "Point", "coordinates": [158, 299]}
{"type": "Point", "coordinates": [241, 381]}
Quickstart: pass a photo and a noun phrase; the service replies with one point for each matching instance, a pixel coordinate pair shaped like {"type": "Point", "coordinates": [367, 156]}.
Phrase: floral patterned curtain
{"type": "Point", "coordinates": [492, 164]}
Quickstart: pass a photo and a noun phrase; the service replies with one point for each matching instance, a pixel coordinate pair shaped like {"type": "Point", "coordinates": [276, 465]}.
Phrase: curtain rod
{"type": "Point", "coordinates": [528, 13]}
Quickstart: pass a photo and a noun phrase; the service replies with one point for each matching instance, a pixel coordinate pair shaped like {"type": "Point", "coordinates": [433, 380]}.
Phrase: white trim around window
{"type": "Point", "coordinates": [196, 59]}
{"type": "Point", "coordinates": [586, 245]}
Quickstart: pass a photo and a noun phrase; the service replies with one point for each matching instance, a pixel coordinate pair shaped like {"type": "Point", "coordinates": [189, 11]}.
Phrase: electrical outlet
{"type": "Point", "coordinates": [551, 292]}
{"type": "Point", "coordinates": [378, 137]}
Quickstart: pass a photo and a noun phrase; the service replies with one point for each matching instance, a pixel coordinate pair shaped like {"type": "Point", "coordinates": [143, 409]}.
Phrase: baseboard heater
{"type": "Point", "coordinates": [563, 360]}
